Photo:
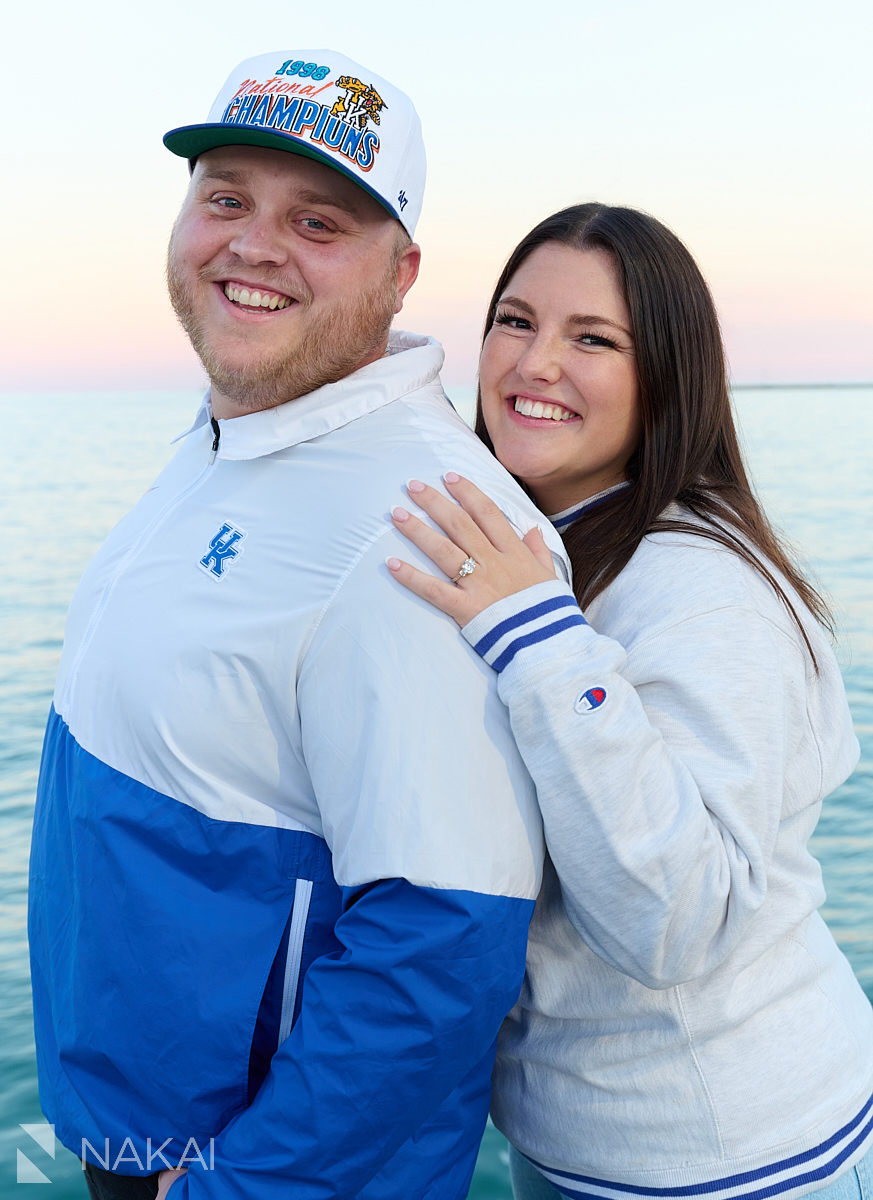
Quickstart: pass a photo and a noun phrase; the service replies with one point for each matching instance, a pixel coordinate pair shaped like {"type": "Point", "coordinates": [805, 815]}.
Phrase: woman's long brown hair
{"type": "Point", "coordinates": [688, 452]}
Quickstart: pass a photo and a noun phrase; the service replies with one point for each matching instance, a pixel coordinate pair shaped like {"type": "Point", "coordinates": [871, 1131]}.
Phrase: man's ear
{"type": "Point", "coordinates": [407, 271]}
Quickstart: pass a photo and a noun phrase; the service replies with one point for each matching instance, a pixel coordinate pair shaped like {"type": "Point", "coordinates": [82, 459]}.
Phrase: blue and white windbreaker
{"type": "Point", "coordinates": [285, 850]}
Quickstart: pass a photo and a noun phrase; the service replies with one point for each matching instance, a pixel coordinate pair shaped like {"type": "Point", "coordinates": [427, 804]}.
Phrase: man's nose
{"type": "Point", "coordinates": [259, 240]}
{"type": "Point", "coordinates": [541, 361]}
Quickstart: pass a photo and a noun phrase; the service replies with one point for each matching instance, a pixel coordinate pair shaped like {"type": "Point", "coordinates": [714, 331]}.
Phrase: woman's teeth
{"type": "Point", "coordinates": [255, 299]}
{"type": "Point", "coordinates": [548, 412]}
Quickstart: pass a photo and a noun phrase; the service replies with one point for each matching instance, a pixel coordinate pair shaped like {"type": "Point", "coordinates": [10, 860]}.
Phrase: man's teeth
{"type": "Point", "coordinates": [536, 408]}
{"type": "Point", "coordinates": [255, 299]}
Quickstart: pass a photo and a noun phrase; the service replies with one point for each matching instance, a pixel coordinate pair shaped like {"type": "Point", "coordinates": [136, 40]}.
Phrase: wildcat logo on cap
{"type": "Point", "coordinates": [362, 102]}
{"type": "Point", "coordinates": [593, 698]}
{"type": "Point", "coordinates": [320, 104]}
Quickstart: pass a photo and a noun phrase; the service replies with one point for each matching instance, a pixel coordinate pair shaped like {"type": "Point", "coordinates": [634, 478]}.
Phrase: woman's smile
{"type": "Point", "coordinates": [539, 408]}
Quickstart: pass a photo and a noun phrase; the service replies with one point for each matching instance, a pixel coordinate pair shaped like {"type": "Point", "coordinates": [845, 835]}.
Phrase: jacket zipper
{"type": "Point", "coordinates": [217, 431]}
{"type": "Point", "coordinates": [299, 917]}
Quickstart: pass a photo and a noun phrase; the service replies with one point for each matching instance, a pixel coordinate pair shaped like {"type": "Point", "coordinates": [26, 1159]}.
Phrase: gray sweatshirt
{"type": "Point", "coordinates": [688, 1026]}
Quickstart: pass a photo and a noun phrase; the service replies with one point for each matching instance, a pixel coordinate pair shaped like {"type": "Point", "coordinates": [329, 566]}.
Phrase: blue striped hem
{"type": "Point", "coordinates": [536, 635]}
{"type": "Point", "coordinates": [522, 618]}
{"type": "Point", "coordinates": [566, 1179]}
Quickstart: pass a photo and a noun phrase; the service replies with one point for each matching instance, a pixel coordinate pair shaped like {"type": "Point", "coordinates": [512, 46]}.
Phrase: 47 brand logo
{"type": "Point", "coordinates": [44, 1136]}
{"type": "Point", "coordinates": [223, 549]}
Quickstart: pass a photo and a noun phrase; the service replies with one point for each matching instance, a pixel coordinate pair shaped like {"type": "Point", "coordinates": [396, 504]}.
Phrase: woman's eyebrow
{"type": "Point", "coordinates": [576, 319]}
{"type": "Point", "coordinates": [516, 303]}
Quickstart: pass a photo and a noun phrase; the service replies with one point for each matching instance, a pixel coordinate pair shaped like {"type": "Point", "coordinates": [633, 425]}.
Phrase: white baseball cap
{"type": "Point", "coordinates": [325, 106]}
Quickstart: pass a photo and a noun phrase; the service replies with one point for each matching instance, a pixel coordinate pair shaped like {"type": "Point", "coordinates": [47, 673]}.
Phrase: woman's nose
{"type": "Point", "coordinates": [540, 361]}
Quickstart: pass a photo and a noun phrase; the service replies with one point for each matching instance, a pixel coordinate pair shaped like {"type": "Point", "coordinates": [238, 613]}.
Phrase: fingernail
{"type": "Point", "coordinates": [451, 477]}
{"type": "Point", "coordinates": [393, 564]}
{"type": "Point", "coordinates": [414, 486]}
{"type": "Point", "coordinates": [399, 514]}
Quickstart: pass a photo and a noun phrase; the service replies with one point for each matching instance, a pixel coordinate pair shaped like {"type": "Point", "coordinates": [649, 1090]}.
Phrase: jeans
{"type": "Point", "coordinates": [106, 1185]}
{"type": "Point", "coordinates": [854, 1184]}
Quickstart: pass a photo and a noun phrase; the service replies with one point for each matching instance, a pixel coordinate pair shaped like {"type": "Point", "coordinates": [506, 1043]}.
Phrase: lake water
{"type": "Point", "coordinates": [71, 465]}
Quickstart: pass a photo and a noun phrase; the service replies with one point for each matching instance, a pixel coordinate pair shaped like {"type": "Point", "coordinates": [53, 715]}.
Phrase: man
{"type": "Point", "coordinates": [285, 852]}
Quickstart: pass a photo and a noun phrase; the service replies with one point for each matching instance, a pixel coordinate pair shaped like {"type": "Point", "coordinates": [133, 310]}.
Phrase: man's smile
{"type": "Point", "coordinates": [254, 298]}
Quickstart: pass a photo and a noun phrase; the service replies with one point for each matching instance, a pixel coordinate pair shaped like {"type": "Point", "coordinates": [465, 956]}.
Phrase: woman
{"type": "Point", "coordinates": [687, 1027]}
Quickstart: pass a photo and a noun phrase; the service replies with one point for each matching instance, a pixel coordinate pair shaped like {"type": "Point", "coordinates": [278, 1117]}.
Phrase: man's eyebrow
{"type": "Point", "coordinates": [324, 198]}
{"type": "Point", "coordinates": [573, 319]}
{"type": "Point", "coordinates": [223, 175]}
{"type": "Point", "coordinates": [307, 195]}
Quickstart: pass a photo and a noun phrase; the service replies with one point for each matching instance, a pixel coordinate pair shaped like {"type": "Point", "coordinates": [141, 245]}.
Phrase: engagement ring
{"type": "Point", "coordinates": [468, 566]}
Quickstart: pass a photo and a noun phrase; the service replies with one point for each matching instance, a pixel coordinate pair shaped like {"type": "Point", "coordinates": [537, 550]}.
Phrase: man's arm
{"type": "Point", "coordinates": [386, 1031]}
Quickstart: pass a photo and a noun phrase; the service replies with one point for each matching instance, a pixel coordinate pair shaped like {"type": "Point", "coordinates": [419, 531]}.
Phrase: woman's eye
{"type": "Point", "coordinates": [512, 322]}
{"type": "Point", "coordinates": [596, 339]}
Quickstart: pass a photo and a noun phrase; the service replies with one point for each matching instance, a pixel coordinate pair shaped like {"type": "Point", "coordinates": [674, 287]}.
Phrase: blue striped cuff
{"type": "Point", "coordinates": [508, 626]}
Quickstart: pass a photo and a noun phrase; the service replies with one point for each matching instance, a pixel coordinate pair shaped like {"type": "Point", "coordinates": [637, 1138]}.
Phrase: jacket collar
{"type": "Point", "coordinates": [566, 518]}
{"type": "Point", "coordinates": [411, 362]}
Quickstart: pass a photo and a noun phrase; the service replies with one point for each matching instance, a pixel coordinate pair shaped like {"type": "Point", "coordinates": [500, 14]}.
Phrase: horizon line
{"type": "Point", "coordinates": [447, 387]}
{"type": "Point", "coordinates": [855, 383]}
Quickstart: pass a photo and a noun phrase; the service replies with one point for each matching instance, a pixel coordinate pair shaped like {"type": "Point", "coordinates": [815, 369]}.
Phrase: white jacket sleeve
{"type": "Point", "coordinates": [661, 775]}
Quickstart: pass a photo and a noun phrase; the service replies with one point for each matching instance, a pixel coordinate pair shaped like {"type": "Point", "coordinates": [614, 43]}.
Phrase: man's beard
{"type": "Point", "coordinates": [346, 336]}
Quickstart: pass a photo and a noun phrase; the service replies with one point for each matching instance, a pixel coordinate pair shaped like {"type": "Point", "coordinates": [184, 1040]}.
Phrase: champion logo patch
{"type": "Point", "coordinates": [593, 698]}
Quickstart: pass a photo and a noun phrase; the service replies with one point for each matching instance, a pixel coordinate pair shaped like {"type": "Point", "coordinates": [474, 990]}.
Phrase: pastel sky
{"type": "Point", "coordinates": [745, 126]}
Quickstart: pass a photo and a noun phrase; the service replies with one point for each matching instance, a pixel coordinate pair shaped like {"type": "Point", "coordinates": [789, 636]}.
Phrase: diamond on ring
{"type": "Point", "coordinates": [468, 566]}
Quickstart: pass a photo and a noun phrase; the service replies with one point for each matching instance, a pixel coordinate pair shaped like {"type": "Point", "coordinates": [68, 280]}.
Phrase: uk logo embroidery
{"type": "Point", "coordinates": [593, 698]}
{"type": "Point", "coordinates": [223, 549]}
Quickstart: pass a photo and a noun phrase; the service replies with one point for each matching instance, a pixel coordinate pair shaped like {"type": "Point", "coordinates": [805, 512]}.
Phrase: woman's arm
{"type": "Point", "coordinates": [661, 775]}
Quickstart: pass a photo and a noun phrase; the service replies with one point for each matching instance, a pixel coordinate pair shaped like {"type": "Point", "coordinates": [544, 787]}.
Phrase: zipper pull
{"type": "Point", "coordinates": [216, 440]}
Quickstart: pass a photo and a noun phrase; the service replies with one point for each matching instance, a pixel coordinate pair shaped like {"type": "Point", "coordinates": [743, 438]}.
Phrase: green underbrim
{"type": "Point", "coordinates": [189, 141]}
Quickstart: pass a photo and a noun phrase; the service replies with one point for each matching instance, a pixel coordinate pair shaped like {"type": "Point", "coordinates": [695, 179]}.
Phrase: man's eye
{"type": "Point", "coordinates": [314, 223]}
{"type": "Point", "coordinates": [227, 202]}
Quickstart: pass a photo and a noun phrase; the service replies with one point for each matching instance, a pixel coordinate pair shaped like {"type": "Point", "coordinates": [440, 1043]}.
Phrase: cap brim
{"type": "Point", "coordinates": [190, 141]}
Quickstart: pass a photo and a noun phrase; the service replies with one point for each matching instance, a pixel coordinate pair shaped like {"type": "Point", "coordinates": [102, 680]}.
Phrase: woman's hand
{"type": "Point", "coordinates": [505, 563]}
{"type": "Point", "coordinates": [166, 1179]}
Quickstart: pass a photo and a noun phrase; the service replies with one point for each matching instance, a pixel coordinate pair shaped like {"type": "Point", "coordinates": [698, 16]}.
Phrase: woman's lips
{"type": "Point", "coordinates": [540, 409]}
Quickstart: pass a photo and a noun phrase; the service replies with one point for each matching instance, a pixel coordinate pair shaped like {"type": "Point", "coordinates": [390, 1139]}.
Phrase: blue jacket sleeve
{"type": "Point", "coordinates": [388, 1029]}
